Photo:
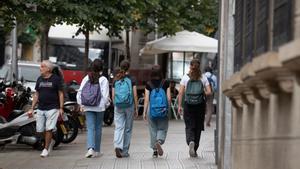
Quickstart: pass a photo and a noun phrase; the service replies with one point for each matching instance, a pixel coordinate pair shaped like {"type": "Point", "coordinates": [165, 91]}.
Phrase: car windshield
{"type": "Point", "coordinates": [4, 72]}
{"type": "Point", "coordinates": [28, 72]}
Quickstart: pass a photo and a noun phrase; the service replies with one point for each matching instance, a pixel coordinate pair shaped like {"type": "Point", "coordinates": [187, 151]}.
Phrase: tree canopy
{"type": "Point", "coordinates": [165, 16]}
{"type": "Point", "coordinates": [116, 15]}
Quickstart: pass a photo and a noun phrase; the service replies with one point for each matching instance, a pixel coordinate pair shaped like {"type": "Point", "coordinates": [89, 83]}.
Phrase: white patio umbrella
{"type": "Point", "coordinates": [183, 41]}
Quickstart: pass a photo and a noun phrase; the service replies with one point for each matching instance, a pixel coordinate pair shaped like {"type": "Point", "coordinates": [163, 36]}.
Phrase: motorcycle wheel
{"type": "Point", "coordinates": [72, 130]}
{"type": "Point", "coordinates": [109, 116]}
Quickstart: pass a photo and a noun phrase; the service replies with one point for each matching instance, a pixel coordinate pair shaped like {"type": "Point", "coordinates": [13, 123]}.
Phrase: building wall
{"type": "Point", "coordinates": [225, 68]}
{"type": "Point", "coordinates": [265, 94]}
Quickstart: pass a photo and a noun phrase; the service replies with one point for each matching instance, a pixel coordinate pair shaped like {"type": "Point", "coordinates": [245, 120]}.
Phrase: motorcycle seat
{"type": "Point", "coordinates": [69, 103]}
{"type": "Point", "coordinates": [14, 114]}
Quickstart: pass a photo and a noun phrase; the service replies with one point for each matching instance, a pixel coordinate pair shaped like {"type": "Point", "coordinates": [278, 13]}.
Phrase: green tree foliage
{"type": "Point", "coordinates": [167, 16]}
{"type": "Point", "coordinates": [171, 16]}
{"type": "Point", "coordinates": [38, 15]}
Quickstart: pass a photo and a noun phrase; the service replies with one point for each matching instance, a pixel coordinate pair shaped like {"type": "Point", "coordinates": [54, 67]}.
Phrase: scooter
{"type": "Point", "coordinates": [20, 130]}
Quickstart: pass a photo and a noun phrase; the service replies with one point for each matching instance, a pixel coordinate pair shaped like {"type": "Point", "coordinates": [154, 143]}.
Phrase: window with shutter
{"type": "Point", "coordinates": [262, 17]}
{"type": "Point", "coordinates": [282, 22]}
{"type": "Point", "coordinates": [249, 30]}
{"type": "Point", "coordinates": [238, 31]}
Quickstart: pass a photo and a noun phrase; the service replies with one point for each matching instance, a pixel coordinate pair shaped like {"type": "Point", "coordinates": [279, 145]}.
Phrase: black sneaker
{"type": "Point", "coordinates": [118, 152]}
{"type": "Point", "coordinates": [155, 154]}
{"type": "Point", "coordinates": [159, 148]}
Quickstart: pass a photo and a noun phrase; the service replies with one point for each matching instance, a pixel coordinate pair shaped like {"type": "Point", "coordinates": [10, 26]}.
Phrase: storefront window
{"type": "Point", "coordinates": [179, 64]}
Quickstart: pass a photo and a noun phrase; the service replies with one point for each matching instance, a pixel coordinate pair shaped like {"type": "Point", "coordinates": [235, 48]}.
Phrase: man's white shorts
{"type": "Point", "coordinates": [46, 119]}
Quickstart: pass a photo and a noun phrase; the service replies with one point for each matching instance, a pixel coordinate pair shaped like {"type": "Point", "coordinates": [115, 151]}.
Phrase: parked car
{"type": "Point", "coordinates": [28, 73]}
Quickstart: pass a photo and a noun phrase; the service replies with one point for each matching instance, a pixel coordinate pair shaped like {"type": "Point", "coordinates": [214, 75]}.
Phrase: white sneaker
{"type": "Point", "coordinates": [191, 149]}
{"type": "Point", "coordinates": [98, 154]}
{"type": "Point", "coordinates": [52, 142]}
{"type": "Point", "coordinates": [90, 153]}
{"type": "Point", "coordinates": [44, 153]}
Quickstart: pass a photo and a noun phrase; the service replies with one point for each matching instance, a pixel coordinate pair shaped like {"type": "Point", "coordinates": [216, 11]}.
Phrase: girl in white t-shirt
{"type": "Point", "coordinates": [193, 114]}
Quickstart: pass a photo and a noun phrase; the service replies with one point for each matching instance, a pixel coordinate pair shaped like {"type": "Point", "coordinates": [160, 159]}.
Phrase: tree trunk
{"type": "Point", "coordinates": [86, 51]}
{"type": "Point", "coordinates": [44, 42]}
{"type": "Point", "coordinates": [127, 45]}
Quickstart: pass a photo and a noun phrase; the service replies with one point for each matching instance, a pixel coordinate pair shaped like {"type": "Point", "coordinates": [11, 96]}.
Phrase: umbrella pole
{"type": "Point", "coordinates": [171, 64]}
{"type": "Point", "coordinates": [183, 63]}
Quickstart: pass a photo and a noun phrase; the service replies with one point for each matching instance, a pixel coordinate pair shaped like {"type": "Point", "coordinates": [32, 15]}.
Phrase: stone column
{"type": "Point", "coordinates": [226, 60]}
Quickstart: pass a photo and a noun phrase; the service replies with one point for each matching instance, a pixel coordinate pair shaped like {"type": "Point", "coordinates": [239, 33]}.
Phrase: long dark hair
{"type": "Point", "coordinates": [124, 67]}
{"type": "Point", "coordinates": [96, 68]}
{"type": "Point", "coordinates": [156, 73]}
{"type": "Point", "coordinates": [195, 72]}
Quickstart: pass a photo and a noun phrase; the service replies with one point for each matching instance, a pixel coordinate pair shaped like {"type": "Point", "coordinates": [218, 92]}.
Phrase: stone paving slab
{"type": "Point", "coordinates": [71, 156]}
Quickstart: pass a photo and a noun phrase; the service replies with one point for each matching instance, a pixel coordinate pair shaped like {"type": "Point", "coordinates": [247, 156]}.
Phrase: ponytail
{"type": "Point", "coordinates": [195, 72]}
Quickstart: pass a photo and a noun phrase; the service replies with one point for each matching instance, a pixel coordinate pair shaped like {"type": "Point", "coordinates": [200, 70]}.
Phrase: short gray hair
{"type": "Point", "coordinates": [49, 64]}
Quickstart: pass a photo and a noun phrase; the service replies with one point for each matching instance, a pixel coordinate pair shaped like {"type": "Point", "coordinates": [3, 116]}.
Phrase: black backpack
{"type": "Point", "coordinates": [194, 92]}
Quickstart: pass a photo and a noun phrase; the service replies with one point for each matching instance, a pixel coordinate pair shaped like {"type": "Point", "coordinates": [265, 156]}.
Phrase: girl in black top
{"type": "Point", "coordinates": [158, 127]}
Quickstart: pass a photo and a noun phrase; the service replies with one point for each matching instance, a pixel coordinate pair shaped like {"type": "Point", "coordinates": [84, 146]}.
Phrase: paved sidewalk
{"type": "Point", "coordinates": [71, 156]}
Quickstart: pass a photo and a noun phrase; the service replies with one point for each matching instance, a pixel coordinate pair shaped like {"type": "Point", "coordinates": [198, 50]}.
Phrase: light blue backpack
{"type": "Point", "coordinates": [158, 101]}
{"type": "Point", "coordinates": [123, 93]}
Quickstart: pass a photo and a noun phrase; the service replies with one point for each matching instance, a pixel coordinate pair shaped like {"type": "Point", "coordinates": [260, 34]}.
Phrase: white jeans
{"type": "Point", "coordinates": [46, 120]}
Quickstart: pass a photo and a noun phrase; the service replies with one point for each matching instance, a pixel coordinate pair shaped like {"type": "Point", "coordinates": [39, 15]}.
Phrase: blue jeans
{"type": "Point", "coordinates": [158, 129]}
{"type": "Point", "coordinates": [94, 129]}
{"type": "Point", "coordinates": [123, 128]}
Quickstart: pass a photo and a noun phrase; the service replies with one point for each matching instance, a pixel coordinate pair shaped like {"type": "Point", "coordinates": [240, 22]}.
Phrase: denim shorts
{"type": "Point", "coordinates": [46, 120]}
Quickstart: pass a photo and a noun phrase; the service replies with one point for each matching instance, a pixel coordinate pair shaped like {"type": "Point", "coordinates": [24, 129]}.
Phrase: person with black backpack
{"type": "Point", "coordinates": [124, 95]}
{"type": "Point", "coordinates": [93, 96]}
{"type": "Point", "coordinates": [157, 93]}
{"type": "Point", "coordinates": [194, 87]}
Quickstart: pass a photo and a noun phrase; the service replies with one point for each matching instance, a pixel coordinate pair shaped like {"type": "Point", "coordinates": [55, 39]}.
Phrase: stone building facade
{"type": "Point", "coordinates": [262, 40]}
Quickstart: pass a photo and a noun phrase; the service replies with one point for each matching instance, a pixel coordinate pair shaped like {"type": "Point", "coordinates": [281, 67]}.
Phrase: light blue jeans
{"type": "Point", "coordinates": [94, 129]}
{"type": "Point", "coordinates": [158, 129]}
{"type": "Point", "coordinates": [123, 128]}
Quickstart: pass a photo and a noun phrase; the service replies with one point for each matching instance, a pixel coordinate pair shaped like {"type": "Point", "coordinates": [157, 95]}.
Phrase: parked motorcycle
{"type": "Point", "coordinates": [73, 109]}
{"type": "Point", "coordinates": [67, 130]}
{"type": "Point", "coordinates": [108, 118]}
{"type": "Point", "coordinates": [15, 97]}
{"type": "Point", "coordinates": [69, 127]}
{"type": "Point", "coordinates": [7, 98]}
{"type": "Point", "coordinates": [20, 130]}
{"type": "Point", "coordinates": [23, 100]}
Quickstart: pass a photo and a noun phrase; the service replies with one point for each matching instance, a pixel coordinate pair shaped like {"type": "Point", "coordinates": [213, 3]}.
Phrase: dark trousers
{"type": "Point", "coordinates": [194, 116]}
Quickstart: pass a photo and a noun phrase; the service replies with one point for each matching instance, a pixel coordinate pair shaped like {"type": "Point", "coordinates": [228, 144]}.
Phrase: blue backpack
{"type": "Point", "coordinates": [212, 83]}
{"type": "Point", "coordinates": [158, 101]}
{"type": "Point", "coordinates": [90, 94]}
{"type": "Point", "coordinates": [123, 93]}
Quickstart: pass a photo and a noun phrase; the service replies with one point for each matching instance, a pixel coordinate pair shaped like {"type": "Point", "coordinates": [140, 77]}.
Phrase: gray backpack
{"type": "Point", "coordinates": [194, 93]}
{"type": "Point", "coordinates": [90, 94]}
